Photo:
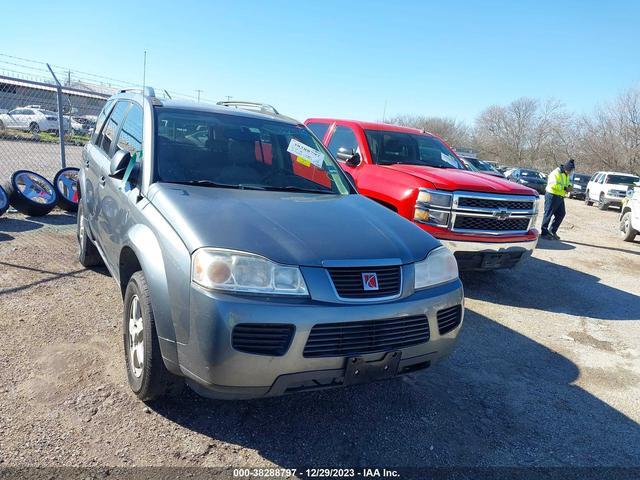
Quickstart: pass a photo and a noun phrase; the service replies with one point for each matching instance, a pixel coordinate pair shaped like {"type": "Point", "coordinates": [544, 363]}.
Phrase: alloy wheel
{"type": "Point", "coordinates": [136, 337]}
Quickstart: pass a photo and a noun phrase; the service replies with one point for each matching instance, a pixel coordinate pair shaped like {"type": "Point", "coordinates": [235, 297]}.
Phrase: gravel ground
{"type": "Point", "coordinates": [546, 373]}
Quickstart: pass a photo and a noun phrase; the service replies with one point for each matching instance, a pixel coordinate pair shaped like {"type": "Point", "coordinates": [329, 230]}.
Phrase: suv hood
{"type": "Point", "coordinates": [453, 179]}
{"type": "Point", "coordinates": [287, 227]}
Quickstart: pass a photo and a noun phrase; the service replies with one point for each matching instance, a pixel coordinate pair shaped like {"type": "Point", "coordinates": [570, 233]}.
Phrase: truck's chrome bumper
{"type": "Point", "coordinates": [497, 247]}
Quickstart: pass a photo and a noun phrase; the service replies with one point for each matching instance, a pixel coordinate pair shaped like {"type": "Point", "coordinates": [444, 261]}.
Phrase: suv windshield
{"type": "Point", "coordinates": [235, 151]}
{"type": "Point", "coordinates": [622, 179]}
{"type": "Point", "coordinates": [389, 147]}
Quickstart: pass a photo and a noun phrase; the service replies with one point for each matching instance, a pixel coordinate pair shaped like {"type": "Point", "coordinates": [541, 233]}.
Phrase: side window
{"type": "Point", "coordinates": [108, 134]}
{"type": "Point", "coordinates": [343, 137]}
{"type": "Point", "coordinates": [318, 129]}
{"type": "Point", "coordinates": [130, 137]}
{"type": "Point", "coordinates": [100, 121]}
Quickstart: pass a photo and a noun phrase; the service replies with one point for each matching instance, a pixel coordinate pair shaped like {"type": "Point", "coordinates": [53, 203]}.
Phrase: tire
{"type": "Point", "coordinates": [587, 201]}
{"type": "Point", "coordinates": [66, 184]}
{"type": "Point", "coordinates": [4, 201]}
{"type": "Point", "coordinates": [627, 232]}
{"type": "Point", "coordinates": [1, 125]}
{"type": "Point", "coordinates": [34, 127]}
{"type": "Point", "coordinates": [88, 254]}
{"type": "Point", "coordinates": [148, 376]}
{"type": "Point", "coordinates": [602, 205]}
{"type": "Point", "coordinates": [31, 194]}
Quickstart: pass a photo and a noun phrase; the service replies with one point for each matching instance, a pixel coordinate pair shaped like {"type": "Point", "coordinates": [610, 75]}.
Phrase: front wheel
{"type": "Point", "coordinates": [587, 201]}
{"type": "Point", "coordinates": [148, 376]}
{"type": "Point", "coordinates": [602, 204]}
{"type": "Point", "coordinates": [627, 232]}
{"type": "Point", "coordinates": [34, 127]}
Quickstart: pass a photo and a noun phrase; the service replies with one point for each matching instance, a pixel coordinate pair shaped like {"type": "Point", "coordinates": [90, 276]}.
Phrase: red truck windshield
{"type": "Point", "coordinates": [388, 147]}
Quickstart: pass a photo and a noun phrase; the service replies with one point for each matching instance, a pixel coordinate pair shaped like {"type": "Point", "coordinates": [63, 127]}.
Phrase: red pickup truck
{"type": "Point", "coordinates": [488, 222]}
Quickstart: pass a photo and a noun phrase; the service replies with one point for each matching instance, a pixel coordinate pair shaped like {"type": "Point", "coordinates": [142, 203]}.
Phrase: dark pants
{"type": "Point", "coordinates": [553, 207]}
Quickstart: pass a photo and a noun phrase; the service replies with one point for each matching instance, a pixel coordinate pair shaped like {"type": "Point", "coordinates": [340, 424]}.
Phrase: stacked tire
{"type": "Point", "coordinates": [4, 201]}
{"type": "Point", "coordinates": [67, 188]}
{"type": "Point", "coordinates": [33, 195]}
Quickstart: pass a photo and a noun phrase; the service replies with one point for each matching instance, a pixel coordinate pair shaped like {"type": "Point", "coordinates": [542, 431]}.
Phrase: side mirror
{"type": "Point", "coordinates": [119, 163]}
{"type": "Point", "coordinates": [348, 156]}
{"type": "Point", "coordinates": [354, 160]}
{"type": "Point", "coordinates": [345, 154]}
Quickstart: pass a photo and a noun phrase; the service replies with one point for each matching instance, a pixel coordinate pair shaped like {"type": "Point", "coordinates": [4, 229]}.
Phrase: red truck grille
{"type": "Point", "coordinates": [492, 214]}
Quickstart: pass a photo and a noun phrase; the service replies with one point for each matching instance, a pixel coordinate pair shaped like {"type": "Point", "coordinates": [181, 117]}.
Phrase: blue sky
{"type": "Point", "coordinates": [345, 58]}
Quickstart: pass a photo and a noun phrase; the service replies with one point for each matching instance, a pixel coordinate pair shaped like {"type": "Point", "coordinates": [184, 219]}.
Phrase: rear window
{"type": "Point", "coordinates": [621, 179]}
{"type": "Point", "coordinates": [318, 129]}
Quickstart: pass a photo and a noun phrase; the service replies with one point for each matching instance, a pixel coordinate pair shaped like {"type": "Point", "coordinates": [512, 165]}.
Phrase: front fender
{"type": "Point", "coordinates": [163, 264]}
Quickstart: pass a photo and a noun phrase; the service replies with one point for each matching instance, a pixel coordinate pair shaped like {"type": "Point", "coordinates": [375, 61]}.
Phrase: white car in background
{"type": "Point", "coordinates": [630, 215]}
{"type": "Point", "coordinates": [33, 120]}
{"type": "Point", "coordinates": [608, 189]}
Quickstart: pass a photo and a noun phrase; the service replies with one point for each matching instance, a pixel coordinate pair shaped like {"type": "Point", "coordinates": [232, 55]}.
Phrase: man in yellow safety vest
{"type": "Point", "coordinates": [558, 185]}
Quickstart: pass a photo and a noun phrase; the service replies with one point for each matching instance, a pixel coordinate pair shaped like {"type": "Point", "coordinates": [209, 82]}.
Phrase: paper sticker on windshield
{"type": "Point", "coordinates": [448, 158]}
{"type": "Point", "coordinates": [305, 152]}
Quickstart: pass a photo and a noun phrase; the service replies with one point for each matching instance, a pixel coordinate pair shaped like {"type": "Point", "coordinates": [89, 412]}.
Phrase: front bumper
{"type": "Point", "coordinates": [213, 368]}
{"type": "Point", "coordinates": [489, 255]}
{"type": "Point", "coordinates": [613, 201]}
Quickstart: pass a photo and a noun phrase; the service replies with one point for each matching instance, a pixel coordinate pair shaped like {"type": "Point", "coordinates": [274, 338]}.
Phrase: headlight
{"type": "Point", "coordinates": [433, 208]}
{"type": "Point", "coordinates": [439, 267]}
{"type": "Point", "coordinates": [436, 199]}
{"type": "Point", "coordinates": [221, 269]}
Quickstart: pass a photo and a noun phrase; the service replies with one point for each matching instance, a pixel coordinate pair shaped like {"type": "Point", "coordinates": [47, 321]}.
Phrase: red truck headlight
{"type": "Point", "coordinates": [433, 208]}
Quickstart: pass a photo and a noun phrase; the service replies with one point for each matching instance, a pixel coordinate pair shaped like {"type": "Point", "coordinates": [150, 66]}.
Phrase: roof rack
{"type": "Point", "coordinates": [253, 106]}
{"type": "Point", "coordinates": [147, 91]}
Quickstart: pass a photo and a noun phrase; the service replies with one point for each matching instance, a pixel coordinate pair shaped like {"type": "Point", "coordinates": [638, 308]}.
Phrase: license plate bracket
{"type": "Point", "coordinates": [358, 370]}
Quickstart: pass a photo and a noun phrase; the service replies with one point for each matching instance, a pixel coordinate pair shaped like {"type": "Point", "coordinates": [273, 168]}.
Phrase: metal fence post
{"type": "Point", "coordinates": [63, 161]}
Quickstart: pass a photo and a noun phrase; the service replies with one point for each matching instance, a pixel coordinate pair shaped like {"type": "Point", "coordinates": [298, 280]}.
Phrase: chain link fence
{"type": "Point", "coordinates": [43, 127]}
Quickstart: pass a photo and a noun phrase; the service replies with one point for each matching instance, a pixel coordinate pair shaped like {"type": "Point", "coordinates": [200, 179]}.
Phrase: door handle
{"type": "Point", "coordinates": [103, 180]}
{"type": "Point", "coordinates": [86, 163]}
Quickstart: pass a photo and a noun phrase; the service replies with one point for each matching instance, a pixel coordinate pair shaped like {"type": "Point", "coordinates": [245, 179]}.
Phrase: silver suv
{"type": "Point", "coordinates": [248, 263]}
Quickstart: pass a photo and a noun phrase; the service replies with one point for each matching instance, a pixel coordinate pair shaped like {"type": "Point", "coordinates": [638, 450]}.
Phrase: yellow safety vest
{"type": "Point", "coordinates": [558, 182]}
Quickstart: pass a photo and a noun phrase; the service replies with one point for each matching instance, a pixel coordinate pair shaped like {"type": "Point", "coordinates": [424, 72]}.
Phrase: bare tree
{"type": "Point", "coordinates": [609, 138]}
{"type": "Point", "coordinates": [527, 132]}
{"type": "Point", "coordinates": [455, 133]}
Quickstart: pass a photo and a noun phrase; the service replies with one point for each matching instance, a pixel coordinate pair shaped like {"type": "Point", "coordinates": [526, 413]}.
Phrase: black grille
{"type": "Point", "coordinates": [449, 318]}
{"type": "Point", "coordinates": [485, 223]}
{"type": "Point", "coordinates": [263, 338]}
{"type": "Point", "coordinates": [491, 203]}
{"type": "Point", "coordinates": [357, 338]}
{"type": "Point", "coordinates": [349, 284]}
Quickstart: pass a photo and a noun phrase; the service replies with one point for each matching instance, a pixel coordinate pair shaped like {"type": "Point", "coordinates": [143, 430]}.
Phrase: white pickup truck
{"type": "Point", "coordinates": [630, 216]}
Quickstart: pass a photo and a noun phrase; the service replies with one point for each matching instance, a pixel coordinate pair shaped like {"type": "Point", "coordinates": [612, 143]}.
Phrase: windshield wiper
{"type": "Point", "coordinates": [210, 183]}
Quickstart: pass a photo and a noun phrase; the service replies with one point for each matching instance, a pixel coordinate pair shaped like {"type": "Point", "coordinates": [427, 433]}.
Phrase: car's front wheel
{"type": "Point", "coordinates": [587, 200]}
{"type": "Point", "coordinates": [602, 204]}
{"type": "Point", "coordinates": [34, 127]}
{"type": "Point", "coordinates": [627, 232]}
{"type": "Point", "coordinates": [147, 374]}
